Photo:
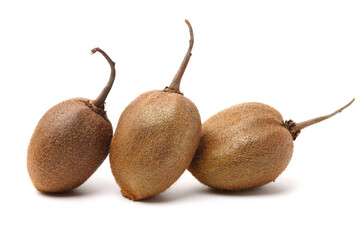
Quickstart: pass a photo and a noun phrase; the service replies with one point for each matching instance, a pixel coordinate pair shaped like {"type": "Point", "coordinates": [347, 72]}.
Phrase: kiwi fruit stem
{"type": "Point", "coordinates": [100, 100]}
{"type": "Point", "coordinates": [177, 78]}
{"type": "Point", "coordinates": [295, 128]}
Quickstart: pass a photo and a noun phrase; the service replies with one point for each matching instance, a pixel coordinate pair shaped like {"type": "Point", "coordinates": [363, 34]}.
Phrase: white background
{"type": "Point", "coordinates": [305, 58]}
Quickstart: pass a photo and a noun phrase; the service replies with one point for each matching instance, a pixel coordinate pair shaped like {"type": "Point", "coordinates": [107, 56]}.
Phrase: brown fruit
{"type": "Point", "coordinates": [71, 141]}
{"type": "Point", "coordinates": [155, 139]}
{"type": "Point", "coordinates": [246, 146]}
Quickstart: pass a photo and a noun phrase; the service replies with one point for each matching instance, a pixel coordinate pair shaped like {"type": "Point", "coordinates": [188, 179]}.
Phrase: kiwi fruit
{"type": "Point", "coordinates": [246, 146]}
{"type": "Point", "coordinates": [155, 139]}
{"type": "Point", "coordinates": [71, 141]}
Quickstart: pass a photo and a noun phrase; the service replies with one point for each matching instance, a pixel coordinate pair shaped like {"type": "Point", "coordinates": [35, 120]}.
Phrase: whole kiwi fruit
{"type": "Point", "coordinates": [245, 146]}
{"type": "Point", "coordinates": [71, 141]}
{"type": "Point", "coordinates": [155, 139]}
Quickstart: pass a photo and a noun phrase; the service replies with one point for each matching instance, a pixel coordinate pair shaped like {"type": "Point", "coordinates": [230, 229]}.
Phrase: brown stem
{"type": "Point", "coordinates": [295, 128]}
{"type": "Point", "coordinates": [177, 78]}
{"type": "Point", "coordinates": [100, 100]}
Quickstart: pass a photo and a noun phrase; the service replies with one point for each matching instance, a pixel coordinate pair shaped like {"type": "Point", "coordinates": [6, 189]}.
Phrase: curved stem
{"type": "Point", "coordinates": [100, 100]}
{"type": "Point", "coordinates": [177, 78]}
{"type": "Point", "coordinates": [302, 125]}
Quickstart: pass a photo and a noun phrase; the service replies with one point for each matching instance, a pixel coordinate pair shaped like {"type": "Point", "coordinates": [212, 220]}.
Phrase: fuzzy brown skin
{"type": "Point", "coordinates": [242, 147]}
{"type": "Point", "coordinates": [154, 143]}
{"type": "Point", "coordinates": [69, 143]}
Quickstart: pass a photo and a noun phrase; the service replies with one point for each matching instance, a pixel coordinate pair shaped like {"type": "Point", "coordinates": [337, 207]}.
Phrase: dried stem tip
{"type": "Point", "coordinates": [177, 78]}
{"type": "Point", "coordinates": [295, 128]}
{"type": "Point", "coordinates": [100, 100]}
